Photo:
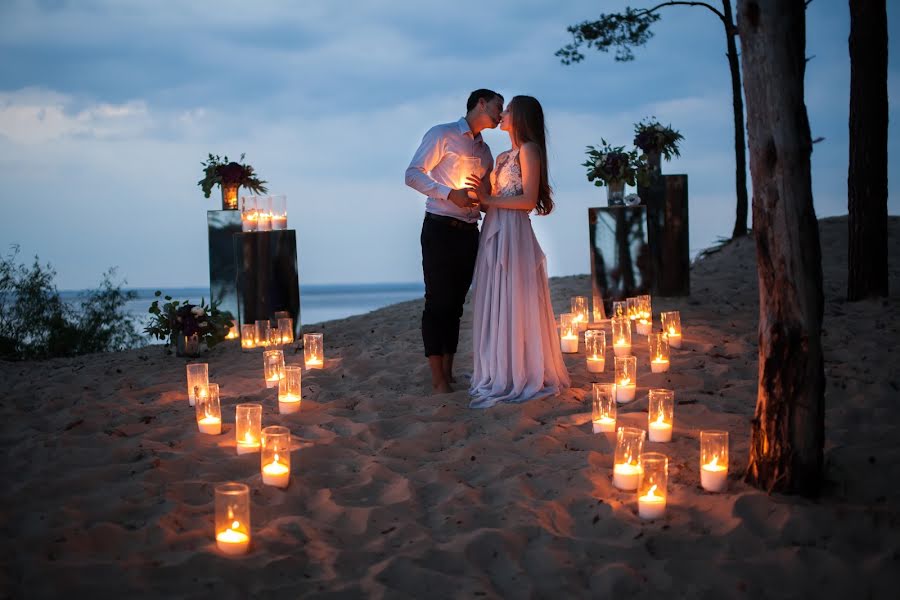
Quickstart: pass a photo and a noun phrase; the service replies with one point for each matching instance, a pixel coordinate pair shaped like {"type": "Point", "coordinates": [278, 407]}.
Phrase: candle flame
{"type": "Point", "coordinates": [275, 461]}
{"type": "Point", "coordinates": [651, 494]}
{"type": "Point", "coordinates": [236, 525]}
{"type": "Point", "coordinates": [620, 341]}
{"type": "Point", "coordinates": [671, 330]}
{"type": "Point", "coordinates": [659, 359]}
{"type": "Point", "coordinates": [625, 381]}
{"type": "Point", "coordinates": [249, 439]}
{"type": "Point", "coordinates": [659, 419]}
{"type": "Point", "coordinates": [595, 357]}
{"type": "Point", "coordinates": [714, 461]}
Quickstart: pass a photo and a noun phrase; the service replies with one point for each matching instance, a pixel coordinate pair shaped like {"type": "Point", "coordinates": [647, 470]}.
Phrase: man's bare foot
{"type": "Point", "coordinates": [441, 388]}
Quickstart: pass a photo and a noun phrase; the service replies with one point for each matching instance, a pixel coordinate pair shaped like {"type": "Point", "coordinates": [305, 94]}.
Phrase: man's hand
{"type": "Point", "coordinates": [460, 198]}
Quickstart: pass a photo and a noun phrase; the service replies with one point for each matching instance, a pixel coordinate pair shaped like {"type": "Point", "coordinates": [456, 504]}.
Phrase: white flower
{"type": "Point", "coordinates": [598, 163]}
{"type": "Point", "coordinates": [658, 127]}
{"type": "Point", "coordinates": [198, 311]}
{"type": "Point", "coordinates": [632, 200]}
{"type": "Point", "coordinates": [202, 324]}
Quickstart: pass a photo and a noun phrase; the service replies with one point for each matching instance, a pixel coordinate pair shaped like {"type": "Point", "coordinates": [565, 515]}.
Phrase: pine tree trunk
{"type": "Point", "coordinates": [788, 427]}
{"type": "Point", "coordinates": [867, 185]}
{"type": "Point", "coordinates": [737, 102]}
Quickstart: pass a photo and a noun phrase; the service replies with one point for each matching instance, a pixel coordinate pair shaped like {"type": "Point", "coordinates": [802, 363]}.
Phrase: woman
{"type": "Point", "coordinates": [516, 345]}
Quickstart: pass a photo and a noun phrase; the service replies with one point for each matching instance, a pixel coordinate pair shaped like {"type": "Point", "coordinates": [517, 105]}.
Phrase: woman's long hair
{"type": "Point", "coordinates": [528, 126]}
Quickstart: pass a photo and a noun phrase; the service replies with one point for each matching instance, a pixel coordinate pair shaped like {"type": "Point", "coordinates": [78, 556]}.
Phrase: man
{"type": "Point", "coordinates": [446, 156]}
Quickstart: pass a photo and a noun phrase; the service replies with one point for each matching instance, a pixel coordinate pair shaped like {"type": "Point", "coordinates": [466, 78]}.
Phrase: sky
{"type": "Point", "coordinates": [109, 107]}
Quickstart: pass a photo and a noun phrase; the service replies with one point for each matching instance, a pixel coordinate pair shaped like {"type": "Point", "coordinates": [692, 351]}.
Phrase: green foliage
{"type": "Point", "coordinates": [177, 317]}
{"type": "Point", "coordinates": [652, 136]}
{"type": "Point", "coordinates": [612, 163]}
{"type": "Point", "coordinates": [36, 323]}
{"type": "Point", "coordinates": [218, 171]}
{"type": "Point", "coordinates": [621, 31]}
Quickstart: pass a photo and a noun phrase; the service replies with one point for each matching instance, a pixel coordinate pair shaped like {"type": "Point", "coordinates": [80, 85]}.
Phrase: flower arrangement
{"type": "Point", "coordinates": [219, 171]}
{"type": "Point", "coordinates": [611, 163]}
{"type": "Point", "coordinates": [178, 318]}
{"type": "Point", "coordinates": [651, 136]}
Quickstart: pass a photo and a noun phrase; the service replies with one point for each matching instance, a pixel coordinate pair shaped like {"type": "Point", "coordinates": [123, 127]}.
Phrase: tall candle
{"type": "Point", "coordinates": [713, 476]}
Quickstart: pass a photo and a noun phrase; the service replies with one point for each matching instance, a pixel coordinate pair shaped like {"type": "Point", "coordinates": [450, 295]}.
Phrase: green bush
{"type": "Point", "coordinates": [36, 323]}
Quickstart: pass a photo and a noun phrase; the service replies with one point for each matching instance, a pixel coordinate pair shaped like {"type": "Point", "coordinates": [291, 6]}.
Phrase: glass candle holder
{"type": "Point", "coordinates": [671, 326]}
{"type": "Point", "coordinates": [619, 309]}
{"type": "Point", "coordinates": [631, 308]}
{"type": "Point", "coordinates": [197, 379]}
{"type": "Point", "coordinates": [659, 352]}
{"type": "Point", "coordinates": [273, 367]}
{"type": "Point", "coordinates": [626, 462]}
{"type": "Point", "coordinates": [626, 378]}
{"type": "Point", "coordinates": [568, 333]}
{"type": "Point", "coordinates": [660, 414]}
{"type": "Point", "coordinates": [273, 338]}
{"type": "Point", "coordinates": [603, 407]}
{"type": "Point", "coordinates": [232, 518]}
{"type": "Point", "coordinates": [579, 311]}
{"type": "Point", "coordinates": [653, 485]}
{"type": "Point", "coordinates": [248, 213]}
{"type": "Point", "coordinates": [644, 323]}
{"type": "Point", "coordinates": [275, 456]}
{"type": "Point", "coordinates": [313, 350]}
{"type": "Point", "coordinates": [279, 211]}
{"type": "Point", "coordinates": [248, 337]}
{"type": "Point", "coordinates": [264, 213]}
{"type": "Point", "coordinates": [595, 350]}
{"type": "Point", "coordinates": [289, 391]}
{"type": "Point", "coordinates": [233, 331]}
{"type": "Point", "coordinates": [247, 427]}
{"type": "Point", "coordinates": [209, 411]}
{"type": "Point", "coordinates": [262, 333]}
{"type": "Point", "coordinates": [621, 335]}
{"type": "Point", "coordinates": [286, 330]}
{"type": "Point", "coordinates": [714, 460]}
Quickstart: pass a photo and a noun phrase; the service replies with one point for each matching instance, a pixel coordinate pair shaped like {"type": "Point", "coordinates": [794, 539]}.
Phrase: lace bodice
{"type": "Point", "coordinates": [506, 178]}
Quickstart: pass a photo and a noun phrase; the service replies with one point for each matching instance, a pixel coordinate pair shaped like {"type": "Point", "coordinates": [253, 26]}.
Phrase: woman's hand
{"type": "Point", "coordinates": [474, 185]}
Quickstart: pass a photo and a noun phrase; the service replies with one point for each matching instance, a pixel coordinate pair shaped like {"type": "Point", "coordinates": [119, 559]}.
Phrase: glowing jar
{"type": "Point", "coordinates": [233, 332]}
{"type": "Point", "coordinates": [568, 333]}
{"type": "Point", "coordinates": [631, 308]}
{"type": "Point", "coordinates": [619, 309]}
{"type": "Point", "coordinates": [714, 460]}
{"type": "Point", "coordinates": [595, 350]}
{"type": "Point", "coordinates": [671, 326]}
{"type": "Point", "coordinates": [209, 411]}
{"type": "Point", "coordinates": [278, 206]}
{"type": "Point", "coordinates": [275, 456]}
{"type": "Point", "coordinates": [644, 323]}
{"type": "Point", "coordinates": [621, 335]}
{"type": "Point", "coordinates": [653, 485]}
{"type": "Point", "coordinates": [232, 504]}
{"type": "Point", "coordinates": [660, 414]}
{"type": "Point", "coordinates": [197, 380]}
{"type": "Point", "coordinates": [579, 312]}
{"type": "Point", "coordinates": [286, 330]}
{"type": "Point", "coordinates": [659, 352]}
{"type": "Point", "coordinates": [262, 333]}
{"type": "Point", "coordinates": [248, 213]}
{"type": "Point", "coordinates": [626, 463]}
{"type": "Point", "coordinates": [603, 407]}
{"type": "Point", "coordinates": [313, 350]}
{"type": "Point", "coordinates": [248, 337]}
{"type": "Point", "coordinates": [626, 378]}
{"type": "Point", "coordinates": [273, 367]}
{"type": "Point", "coordinates": [289, 391]}
{"type": "Point", "coordinates": [247, 427]}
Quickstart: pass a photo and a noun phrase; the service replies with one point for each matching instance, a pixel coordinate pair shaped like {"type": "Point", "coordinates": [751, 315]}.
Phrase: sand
{"type": "Point", "coordinates": [108, 487]}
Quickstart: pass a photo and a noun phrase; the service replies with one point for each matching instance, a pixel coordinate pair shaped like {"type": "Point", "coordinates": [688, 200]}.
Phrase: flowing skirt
{"type": "Point", "coordinates": [516, 344]}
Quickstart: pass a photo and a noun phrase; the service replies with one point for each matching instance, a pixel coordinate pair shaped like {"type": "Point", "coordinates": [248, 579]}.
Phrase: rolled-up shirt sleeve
{"type": "Point", "coordinates": [429, 154]}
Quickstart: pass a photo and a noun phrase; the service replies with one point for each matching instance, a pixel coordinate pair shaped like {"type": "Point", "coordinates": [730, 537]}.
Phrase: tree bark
{"type": "Point", "coordinates": [867, 183]}
{"type": "Point", "coordinates": [788, 427]}
{"type": "Point", "coordinates": [740, 144]}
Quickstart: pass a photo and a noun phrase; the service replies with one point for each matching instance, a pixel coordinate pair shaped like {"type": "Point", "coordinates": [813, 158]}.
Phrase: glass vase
{"type": "Point", "coordinates": [615, 193]}
{"type": "Point", "coordinates": [230, 196]}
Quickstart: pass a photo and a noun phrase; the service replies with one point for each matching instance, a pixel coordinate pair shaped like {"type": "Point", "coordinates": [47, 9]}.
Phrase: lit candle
{"type": "Point", "coordinates": [625, 390]}
{"type": "Point", "coordinates": [621, 332]}
{"type": "Point", "coordinates": [289, 391]}
{"type": "Point", "coordinates": [643, 326]}
{"type": "Point", "coordinates": [233, 542]}
{"type": "Point", "coordinates": [248, 336]}
{"type": "Point", "coordinates": [568, 333]}
{"type": "Point", "coordinates": [671, 326]}
{"type": "Point", "coordinates": [653, 484]}
{"type": "Point", "coordinates": [247, 444]}
{"type": "Point", "coordinates": [714, 460]}
{"type": "Point", "coordinates": [279, 222]}
{"type": "Point", "coordinates": [247, 427]}
{"type": "Point", "coordinates": [313, 350]}
{"type": "Point", "coordinates": [209, 415]}
{"type": "Point", "coordinates": [197, 380]}
{"type": "Point", "coordinates": [659, 365]}
{"type": "Point", "coordinates": [605, 425]}
{"type": "Point", "coordinates": [273, 367]}
{"type": "Point", "coordinates": [660, 414]}
{"type": "Point", "coordinates": [603, 407]}
{"type": "Point", "coordinates": [659, 352]}
{"type": "Point", "coordinates": [625, 476]}
{"type": "Point", "coordinates": [579, 311]}
{"type": "Point", "coordinates": [276, 473]}
{"type": "Point", "coordinates": [232, 524]}
{"type": "Point", "coordinates": [674, 338]}
{"type": "Point", "coordinates": [596, 364]}
{"type": "Point", "coordinates": [644, 323]}
{"type": "Point", "coordinates": [651, 506]}
{"type": "Point", "coordinates": [210, 425]}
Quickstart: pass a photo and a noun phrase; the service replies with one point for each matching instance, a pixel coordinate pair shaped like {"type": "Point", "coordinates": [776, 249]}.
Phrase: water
{"type": "Point", "coordinates": [317, 302]}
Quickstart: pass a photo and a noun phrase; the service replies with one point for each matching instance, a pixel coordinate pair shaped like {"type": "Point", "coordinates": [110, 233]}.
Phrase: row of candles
{"type": "Point", "coordinates": [263, 213]}
{"type": "Point", "coordinates": [232, 499]}
{"type": "Point", "coordinates": [261, 334]}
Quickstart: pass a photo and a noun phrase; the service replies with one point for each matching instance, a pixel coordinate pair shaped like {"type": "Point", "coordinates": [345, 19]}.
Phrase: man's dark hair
{"type": "Point", "coordinates": [477, 95]}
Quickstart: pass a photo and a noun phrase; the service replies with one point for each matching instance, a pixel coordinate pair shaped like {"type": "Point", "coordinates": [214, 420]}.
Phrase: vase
{"type": "Point", "coordinates": [230, 196]}
{"type": "Point", "coordinates": [653, 160]}
{"type": "Point", "coordinates": [615, 192]}
{"type": "Point", "coordinates": [187, 345]}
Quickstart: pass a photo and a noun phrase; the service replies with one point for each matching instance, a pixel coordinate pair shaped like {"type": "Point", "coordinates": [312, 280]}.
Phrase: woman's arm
{"type": "Point", "coordinates": [530, 163]}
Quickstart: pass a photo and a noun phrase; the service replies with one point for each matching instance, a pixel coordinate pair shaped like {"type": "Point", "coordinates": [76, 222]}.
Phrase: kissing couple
{"type": "Point", "coordinates": [517, 356]}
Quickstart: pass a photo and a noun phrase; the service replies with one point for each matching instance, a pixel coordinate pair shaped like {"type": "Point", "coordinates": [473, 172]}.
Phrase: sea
{"type": "Point", "coordinates": [317, 302]}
